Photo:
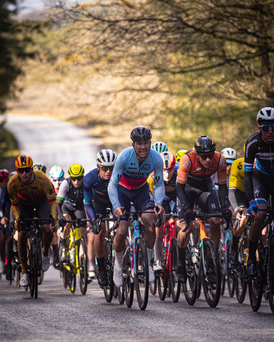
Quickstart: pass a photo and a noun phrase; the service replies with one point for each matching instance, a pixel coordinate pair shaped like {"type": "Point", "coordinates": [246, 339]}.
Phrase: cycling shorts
{"type": "Point", "coordinates": [74, 211]}
{"type": "Point", "coordinates": [42, 206]}
{"type": "Point", "coordinates": [141, 199]}
{"type": "Point", "coordinates": [263, 186]}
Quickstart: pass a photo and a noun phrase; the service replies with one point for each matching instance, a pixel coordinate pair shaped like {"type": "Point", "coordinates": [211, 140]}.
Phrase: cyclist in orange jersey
{"type": "Point", "coordinates": [194, 186]}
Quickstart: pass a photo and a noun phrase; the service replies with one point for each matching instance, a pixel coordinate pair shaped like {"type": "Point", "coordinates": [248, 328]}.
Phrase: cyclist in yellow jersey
{"type": "Point", "coordinates": [238, 201]}
{"type": "Point", "coordinates": [29, 189]}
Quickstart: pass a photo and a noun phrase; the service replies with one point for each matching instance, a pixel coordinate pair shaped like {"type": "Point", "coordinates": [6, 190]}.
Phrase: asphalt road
{"type": "Point", "coordinates": [58, 315]}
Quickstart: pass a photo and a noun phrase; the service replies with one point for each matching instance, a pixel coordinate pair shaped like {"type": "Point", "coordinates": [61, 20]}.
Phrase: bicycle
{"type": "Point", "coordinates": [168, 277]}
{"type": "Point", "coordinates": [135, 264]}
{"type": "Point", "coordinates": [34, 247]}
{"type": "Point", "coordinates": [76, 257]}
{"type": "Point", "coordinates": [264, 267]}
{"type": "Point", "coordinates": [202, 264]}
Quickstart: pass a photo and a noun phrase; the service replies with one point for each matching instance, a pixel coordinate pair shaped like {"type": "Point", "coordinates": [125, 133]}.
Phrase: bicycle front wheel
{"type": "Point", "coordinates": [175, 285]}
{"type": "Point", "coordinates": [128, 285]}
{"type": "Point", "coordinates": [211, 273]}
{"type": "Point", "coordinates": [142, 276]}
{"type": "Point", "coordinates": [240, 276]}
{"type": "Point", "coordinates": [230, 277]}
{"type": "Point", "coordinates": [108, 290]}
{"type": "Point", "coordinates": [256, 285]}
{"type": "Point", "coordinates": [190, 287]}
{"type": "Point", "coordinates": [83, 267]}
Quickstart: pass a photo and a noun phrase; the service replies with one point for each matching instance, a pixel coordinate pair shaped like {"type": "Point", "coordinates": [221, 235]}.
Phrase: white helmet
{"type": "Point", "coordinates": [230, 154]}
{"type": "Point", "coordinates": [265, 115]}
{"type": "Point", "coordinates": [106, 157]}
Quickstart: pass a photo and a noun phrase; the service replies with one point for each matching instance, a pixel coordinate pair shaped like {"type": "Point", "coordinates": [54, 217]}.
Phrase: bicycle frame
{"type": "Point", "coordinates": [171, 234]}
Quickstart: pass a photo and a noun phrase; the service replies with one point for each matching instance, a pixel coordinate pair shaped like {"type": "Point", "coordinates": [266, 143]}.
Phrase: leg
{"type": "Point", "coordinates": [119, 246]}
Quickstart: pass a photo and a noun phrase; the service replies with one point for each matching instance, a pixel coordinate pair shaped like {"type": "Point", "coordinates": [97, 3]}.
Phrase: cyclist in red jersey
{"type": "Point", "coordinates": [194, 186]}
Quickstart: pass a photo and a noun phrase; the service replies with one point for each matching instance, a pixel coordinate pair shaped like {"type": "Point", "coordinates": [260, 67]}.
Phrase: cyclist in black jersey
{"type": "Point", "coordinates": [258, 179]}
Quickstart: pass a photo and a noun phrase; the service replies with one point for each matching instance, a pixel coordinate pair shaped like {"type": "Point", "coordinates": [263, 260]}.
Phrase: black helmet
{"type": "Point", "coordinates": [140, 134]}
{"type": "Point", "coordinates": [204, 144]}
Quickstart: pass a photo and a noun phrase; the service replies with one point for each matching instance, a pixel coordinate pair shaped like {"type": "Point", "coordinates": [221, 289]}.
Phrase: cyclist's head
{"type": "Point", "coordinates": [56, 172]}
{"type": "Point", "coordinates": [159, 147]}
{"type": "Point", "coordinates": [23, 162]}
{"type": "Point", "coordinates": [204, 145]}
{"type": "Point", "coordinates": [140, 134]}
{"type": "Point", "coordinates": [179, 155]}
{"type": "Point", "coordinates": [40, 167]}
{"type": "Point", "coordinates": [4, 176]}
{"type": "Point", "coordinates": [168, 160]}
{"type": "Point", "coordinates": [106, 157]}
{"type": "Point", "coordinates": [265, 116]}
{"type": "Point", "coordinates": [230, 155]}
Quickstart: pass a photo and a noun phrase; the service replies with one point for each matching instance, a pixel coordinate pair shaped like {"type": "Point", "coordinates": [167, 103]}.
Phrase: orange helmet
{"type": "Point", "coordinates": [23, 162]}
{"type": "Point", "coordinates": [168, 160]}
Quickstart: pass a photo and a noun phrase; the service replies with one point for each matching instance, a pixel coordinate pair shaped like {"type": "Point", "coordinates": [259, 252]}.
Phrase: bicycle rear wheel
{"type": "Point", "coordinates": [190, 287]}
{"type": "Point", "coordinates": [240, 276]}
{"type": "Point", "coordinates": [83, 267]}
{"type": "Point", "coordinates": [270, 277]}
{"type": "Point", "coordinates": [128, 285]}
{"type": "Point", "coordinates": [142, 276]}
{"type": "Point", "coordinates": [175, 285]}
{"type": "Point", "coordinates": [211, 273]}
{"type": "Point", "coordinates": [108, 290]}
{"type": "Point", "coordinates": [222, 268]}
{"type": "Point", "coordinates": [230, 277]}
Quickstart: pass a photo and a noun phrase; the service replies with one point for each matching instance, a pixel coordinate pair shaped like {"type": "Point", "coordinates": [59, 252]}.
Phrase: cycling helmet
{"type": "Point", "coordinates": [40, 167]}
{"type": "Point", "coordinates": [159, 147]}
{"type": "Point", "coordinates": [4, 173]}
{"type": "Point", "coordinates": [204, 144]}
{"type": "Point", "coordinates": [56, 172]}
{"type": "Point", "coordinates": [179, 155]}
{"type": "Point", "coordinates": [23, 161]}
{"type": "Point", "coordinates": [169, 160]}
{"type": "Point", "coordinates": [106, 157]}
{"type": "Point", "coordinates": [76, 170]}
{"type": "Point", "coordinates": [230, 154]}
{"type": "Point", "coordinates": [265, 116]}
{"type": "Point", "coordinates": [140, 134]}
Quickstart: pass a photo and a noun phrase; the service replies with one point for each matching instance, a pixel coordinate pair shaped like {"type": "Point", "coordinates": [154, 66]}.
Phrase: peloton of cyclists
{"type": "Point", "coordinates": [129, 184]}
{"type": "Point", "coordinates": [29, 189]}
{"type": "Point", "coordinates": [97, 202]}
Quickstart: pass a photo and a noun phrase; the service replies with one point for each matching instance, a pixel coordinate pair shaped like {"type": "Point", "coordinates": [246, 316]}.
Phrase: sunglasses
{"type": "Point", "coordinates": [208, 155]}
{"type": "Point", "coordinates": [26, 170]}
{"type": "Point", "coordinates": [76, 178]}
{"type": "Point", "coordinates": [266, 128]}
{"type": "Point", "coordinates": [57, 179]}
{"type": "Point", "coordinates": [105, 168]}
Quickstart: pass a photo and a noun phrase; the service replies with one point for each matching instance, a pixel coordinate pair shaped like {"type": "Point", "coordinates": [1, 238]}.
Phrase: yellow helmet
{"type": "Point", "coordinates": [23, 161]}
{"type": "Point", "coordinates": [179, 155]}
{"type": "Point", "coordinates": [76, 170]}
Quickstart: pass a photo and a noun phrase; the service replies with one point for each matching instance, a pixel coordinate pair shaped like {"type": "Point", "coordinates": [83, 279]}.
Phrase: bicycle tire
{"type": "Point", "coordinates": [71, 281]}
{"type": "Point", "coordinates": [128, 284]}
{"type": "Point", "coordinates": [121, 295]}
{"type": "Point", "coordinates": [83, 267]}
{"type": "Point", "coordinates": [31, 267]}
{"type": "Point", "coordinates": [175, 285]}
{"type": "Point", "coordinates": [153, 286]}
{"type": "Point", "coordinates": [63, 272]}
{"type": "Point", "coordinates": [222, 268]}
{"type": "Point", "coordinates": [270, 276]}
{"type": "Point", "coordinates": [142, 276]}
{"type": "Point", "coordinates": [230, 278]}
{"type": "Point", "coordinates": [162, 284]}
{"type": "Point", "coordinates": [211, 273]}
{"type": "Point", "coordinates": [190, 286]}
{"type": "Point", "coordinates": [240, 276]}
{"type": "Point", "coordinates": [109, 289]}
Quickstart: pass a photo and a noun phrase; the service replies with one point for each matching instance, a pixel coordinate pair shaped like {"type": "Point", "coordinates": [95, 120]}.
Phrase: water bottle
{"type": "Point", "coordinates": [71, 254]}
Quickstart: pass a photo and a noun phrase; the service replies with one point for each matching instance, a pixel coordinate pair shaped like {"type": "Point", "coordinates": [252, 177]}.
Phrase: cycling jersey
{"type": "Point", "coordinates": [33, 192]}
{"type": "Point", "coordinates": [236, 177]}
{"type": "Point", "coordinates": [132, 175]}
{"type": "Point", "coordinates": [170, 186]}
{"type": "Point", "coordinates": [95, 189]}
{"type": "Point", "coordinates": [70, 194]}
{"type": "Point", "coordinates": [263, 170]}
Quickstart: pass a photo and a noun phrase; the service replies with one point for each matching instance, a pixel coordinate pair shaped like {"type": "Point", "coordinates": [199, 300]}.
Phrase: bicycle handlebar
{"type": "Point", "coordinates": [206, 216]}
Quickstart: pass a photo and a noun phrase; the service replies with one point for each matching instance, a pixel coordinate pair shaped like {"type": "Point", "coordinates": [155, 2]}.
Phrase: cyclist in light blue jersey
{"type": "Point", "coordinates": [128, 184]}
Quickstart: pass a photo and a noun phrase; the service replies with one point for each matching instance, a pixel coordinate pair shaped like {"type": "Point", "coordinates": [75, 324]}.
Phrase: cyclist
{"type": "Point", "coordinates": [56, 177]}
{"type": "Point", "coordinates": [70, 199]}
{"type": "Point", "coordinates": [96, 202]}
{"type": "Point", "coordinates": [230, 155]}
{"type": "Point", "coordinates": [159, 147]}
{"type": "Point", "coordinates": [194, 185]}
{"type": "Point", "coordinates": [4, 174]}
{"type": "Point", "coordinates": [40, 167]}
{"type": "Point", "coordinates": [169, 203]}
{"type": "Point", "coordinates": [129, 184]}
{"type": "Point", "coordinates": [258, 179]}
{"type": "Point", "coordinates": [29, 189]}
{"type": "Point", "coordinates": [179, 155]}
